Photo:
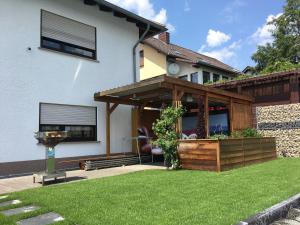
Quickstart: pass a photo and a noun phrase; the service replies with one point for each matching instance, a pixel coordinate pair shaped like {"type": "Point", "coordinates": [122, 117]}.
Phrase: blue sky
{"type": "Point", "coordinates": [229, 30]}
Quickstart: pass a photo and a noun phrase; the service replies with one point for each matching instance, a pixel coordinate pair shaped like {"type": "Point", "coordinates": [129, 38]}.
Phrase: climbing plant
{"type": "Point", "coordinates": [167, 137]}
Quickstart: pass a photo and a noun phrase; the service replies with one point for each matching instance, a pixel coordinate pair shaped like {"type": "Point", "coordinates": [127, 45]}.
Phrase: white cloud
{"type": "Point", "coordinates": [145, 9]}
{"type": "Point", "coordinates": [263, 34]}
{"type": "Point", "coordinates": [216, 38]}
{"type": "Point", "coordinates": [224, 54]}
{"type": "Point", "coordinates": [187, 7]}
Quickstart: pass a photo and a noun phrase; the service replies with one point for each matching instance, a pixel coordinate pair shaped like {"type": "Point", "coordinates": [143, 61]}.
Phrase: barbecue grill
{"type": "Point", "coordinates": [50, 140]}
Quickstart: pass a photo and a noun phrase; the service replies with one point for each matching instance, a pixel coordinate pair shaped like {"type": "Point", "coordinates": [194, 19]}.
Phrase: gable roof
{"type": "Point", "coordinates": [141, 22]}
{"type": "Point", "coordinates": [188, 56]}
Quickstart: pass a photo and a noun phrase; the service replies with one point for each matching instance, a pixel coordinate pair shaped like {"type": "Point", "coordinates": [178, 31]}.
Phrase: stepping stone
{"type": "Point", "coordinates": [43, 219]}
{"type": "Point", "coordinates": [13, 202]}
{"type": "Point", "coordinates": [3, 197]}
{"type": "Point", "coordinates": [20, 210]}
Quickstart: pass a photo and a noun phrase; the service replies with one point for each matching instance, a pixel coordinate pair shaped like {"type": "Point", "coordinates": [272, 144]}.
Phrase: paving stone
{"type": "Point", "coordinates": [20, 210]}
{"type": "Point", "coordinates": [297, 219]}
{"type": "Point", "coordinates": [3, 197]}
{"type": "Point", "coordinates": [13, 202]}
{"type": "Point", "coordinates": [43, 219]}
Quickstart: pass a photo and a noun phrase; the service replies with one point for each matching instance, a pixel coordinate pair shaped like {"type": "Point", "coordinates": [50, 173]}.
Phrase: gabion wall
{"type": "Point", "coordinates": [282, 122]}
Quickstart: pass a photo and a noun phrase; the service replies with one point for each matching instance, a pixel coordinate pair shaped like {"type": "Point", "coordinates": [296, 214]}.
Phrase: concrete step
{"type": "Point", "coordinates": [44, 219]}
{"type": "Point", "coordinates": [12, 202]}
{"type": "Point", "coordinates": [20, 210]}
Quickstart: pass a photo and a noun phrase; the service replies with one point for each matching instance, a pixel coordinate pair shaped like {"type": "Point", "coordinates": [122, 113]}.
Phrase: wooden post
{"type": "Point", "coordinates": [206, 115]}
{"type": "Point", "coordinates": [107, 130]}
{"type": "Point", "coordinates": [109, 111]}
{"type": "Point", "coordinates": [176, 100]}
{"type": "Point", "coordinates": [231, 115]}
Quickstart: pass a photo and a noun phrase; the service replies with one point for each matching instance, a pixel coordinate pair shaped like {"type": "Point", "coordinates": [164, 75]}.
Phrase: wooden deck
{"type": "Point", "coordinates": [221, 155]}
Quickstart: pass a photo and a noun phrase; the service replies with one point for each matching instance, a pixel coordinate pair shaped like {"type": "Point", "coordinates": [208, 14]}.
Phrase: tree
{"type": "Point", "coordinates": [286, 45]}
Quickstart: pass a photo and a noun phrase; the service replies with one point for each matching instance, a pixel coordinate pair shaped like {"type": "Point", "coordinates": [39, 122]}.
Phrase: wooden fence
{"type": "Point", "coordinates": [220, 155]}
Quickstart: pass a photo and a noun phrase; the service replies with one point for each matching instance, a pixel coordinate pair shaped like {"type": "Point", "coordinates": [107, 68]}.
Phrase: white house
{"type": "Point", "coordinates": [55, 54]}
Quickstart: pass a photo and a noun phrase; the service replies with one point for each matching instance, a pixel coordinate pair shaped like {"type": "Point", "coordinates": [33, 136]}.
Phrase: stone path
{"type": "Point", "coordinates": [43, 219]}
{"type": "Point", "coordinates": [12, 202]}
{"type": "Point", "coordinates": [8, 185]}
{"type": "Point", "coordinates": [20, 210]}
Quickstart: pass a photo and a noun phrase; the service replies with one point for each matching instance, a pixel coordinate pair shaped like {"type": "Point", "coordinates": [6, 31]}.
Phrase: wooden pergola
{"type": "Point", "coordinates": [166, 90]}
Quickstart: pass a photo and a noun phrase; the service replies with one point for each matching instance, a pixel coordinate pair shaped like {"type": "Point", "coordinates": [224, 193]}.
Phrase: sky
{"type": "Point", "coordinates": [229, 30]}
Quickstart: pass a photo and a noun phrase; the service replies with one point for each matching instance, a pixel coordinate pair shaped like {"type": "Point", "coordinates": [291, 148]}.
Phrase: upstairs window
{"type": "Point", "coordinates": [79, 121]}
{"type": "Point", "coordinates": [141, 58]}
{"type": "Point", "coordinates": [216, 77]}
{"type": "Point", "coordinates": [206, 77]}
{"type": "Point", "coordinates": [66, 35]}
{"type": "Point", "coordinates": [194, 78]}
{"type": "Point", "coordinates": [184, 77]}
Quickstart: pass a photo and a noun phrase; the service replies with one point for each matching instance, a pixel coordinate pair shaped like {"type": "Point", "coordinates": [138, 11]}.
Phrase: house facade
{"type": "Point", "coordinates": [159, 56]}
{"type": "Point", "coordinates": [54, 56]}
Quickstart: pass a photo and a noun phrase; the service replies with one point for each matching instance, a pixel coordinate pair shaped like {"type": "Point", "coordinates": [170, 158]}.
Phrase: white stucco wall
{"type": "Point", "coordinates": [30, 77]}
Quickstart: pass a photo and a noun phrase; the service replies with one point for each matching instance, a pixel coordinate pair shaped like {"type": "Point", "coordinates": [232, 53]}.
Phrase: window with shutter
{"type": "Point", "coordinates": [66, 35]}
{"type": "Point", "coordinates": [79, 121]}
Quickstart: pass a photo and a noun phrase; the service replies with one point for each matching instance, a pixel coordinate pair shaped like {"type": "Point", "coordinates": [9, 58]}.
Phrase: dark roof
{"type": "Point", "coordinates": [248, 68]}
{"type": "Point", "coordinates": [188, 56]}
{"type": "Point", "coordinates": [259, 79]}
{"type": "Point", "coordinates": [141, 23]}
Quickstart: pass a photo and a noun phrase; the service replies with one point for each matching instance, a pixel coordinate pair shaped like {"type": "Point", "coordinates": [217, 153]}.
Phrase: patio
{"type": "Point", "coordinates": [205, 108]}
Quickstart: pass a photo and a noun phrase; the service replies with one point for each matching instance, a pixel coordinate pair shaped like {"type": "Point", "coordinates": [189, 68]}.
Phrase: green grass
{"type": "Point", "coordinates": [168, 197]}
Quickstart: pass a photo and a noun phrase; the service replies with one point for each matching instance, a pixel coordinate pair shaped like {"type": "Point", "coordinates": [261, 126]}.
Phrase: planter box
{"type": "Point", "coordinates": [220, 155]}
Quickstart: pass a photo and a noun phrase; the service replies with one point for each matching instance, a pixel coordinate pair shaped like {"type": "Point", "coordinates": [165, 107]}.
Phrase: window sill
{"type": "Point", "coordinates": [67, 54]}
{"type": "Point", "coordinates": [76, 142]}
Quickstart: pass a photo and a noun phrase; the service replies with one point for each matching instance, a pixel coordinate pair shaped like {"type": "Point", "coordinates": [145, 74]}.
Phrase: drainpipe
{"type": "Point", "coordinates": [134, 51]}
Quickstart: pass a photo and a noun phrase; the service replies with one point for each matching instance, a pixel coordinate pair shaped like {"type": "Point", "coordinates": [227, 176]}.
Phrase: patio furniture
{"type": "Point", "coordinates": [148, 146]}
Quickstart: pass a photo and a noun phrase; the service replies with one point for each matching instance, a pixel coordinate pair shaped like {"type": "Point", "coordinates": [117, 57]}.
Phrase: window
{"type": "Point", "coordinates": [206, 77]}
{"type": "Point", "coordinates": [141, 58]}
{"type": "Point", "coordinates": [184, 77]}
{"type": "Point", "coordinates": [225, 78]}
{"type": "Point", "coordinates": [79, 121]}
{"type": "Point", "coordinates": [194, 78]}
{"type": "Point", "coordinates": [66, 35]}
{"type": "Point", "coordinates": [216, 77]}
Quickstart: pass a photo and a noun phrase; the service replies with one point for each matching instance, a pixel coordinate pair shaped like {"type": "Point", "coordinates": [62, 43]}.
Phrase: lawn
{"type": "Point", "coordinates": [168, 197]}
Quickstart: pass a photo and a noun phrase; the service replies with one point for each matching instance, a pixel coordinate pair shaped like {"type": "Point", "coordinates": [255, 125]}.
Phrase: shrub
{"type": "Point", "coordinates": [167, 137]}
{"type": "Point", "coordinates": [248, 132]}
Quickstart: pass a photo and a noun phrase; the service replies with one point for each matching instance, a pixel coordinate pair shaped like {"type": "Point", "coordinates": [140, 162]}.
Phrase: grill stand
{"type": "Point", "coordinates": [50, 140]}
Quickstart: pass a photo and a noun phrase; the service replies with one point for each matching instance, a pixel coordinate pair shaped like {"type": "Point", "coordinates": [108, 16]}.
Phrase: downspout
{"type": "Point", "coordinates": [134, 51]}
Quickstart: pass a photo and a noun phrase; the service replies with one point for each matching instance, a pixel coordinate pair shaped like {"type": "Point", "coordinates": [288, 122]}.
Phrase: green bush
{"type": "Point", "coordinates": [219, 136]}
{"type": "Point", "coordinates": [167, 137]}
{"type": "Point", "coordinates": [248, 132]}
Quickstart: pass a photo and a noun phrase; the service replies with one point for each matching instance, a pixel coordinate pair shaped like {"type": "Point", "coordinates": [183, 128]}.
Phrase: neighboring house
{"type": "Point", "coordinates": [54, 56]}
{"type": "Point", "coordinates": [276, 107]}
{"type": "Point", "coordinates": [249, 70]}
{"type": "Point", "coordinates": [159, 56]}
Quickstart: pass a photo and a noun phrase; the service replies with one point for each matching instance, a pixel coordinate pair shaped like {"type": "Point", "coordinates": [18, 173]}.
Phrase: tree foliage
{"type": "Point", "coordinates": [167, 137]}
{"type": "Point", "coordinates": [286, 45]}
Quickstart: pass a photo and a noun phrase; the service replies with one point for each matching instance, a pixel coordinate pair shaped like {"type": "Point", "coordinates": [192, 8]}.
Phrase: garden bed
{"type": "Point", "coordinates": [220, 155]}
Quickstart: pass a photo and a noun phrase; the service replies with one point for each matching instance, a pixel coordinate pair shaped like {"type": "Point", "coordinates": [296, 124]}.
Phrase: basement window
{"type": "Point", "coordinates": [79, 121]}
{"type": "Point", "coordinates": [68, 36]}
